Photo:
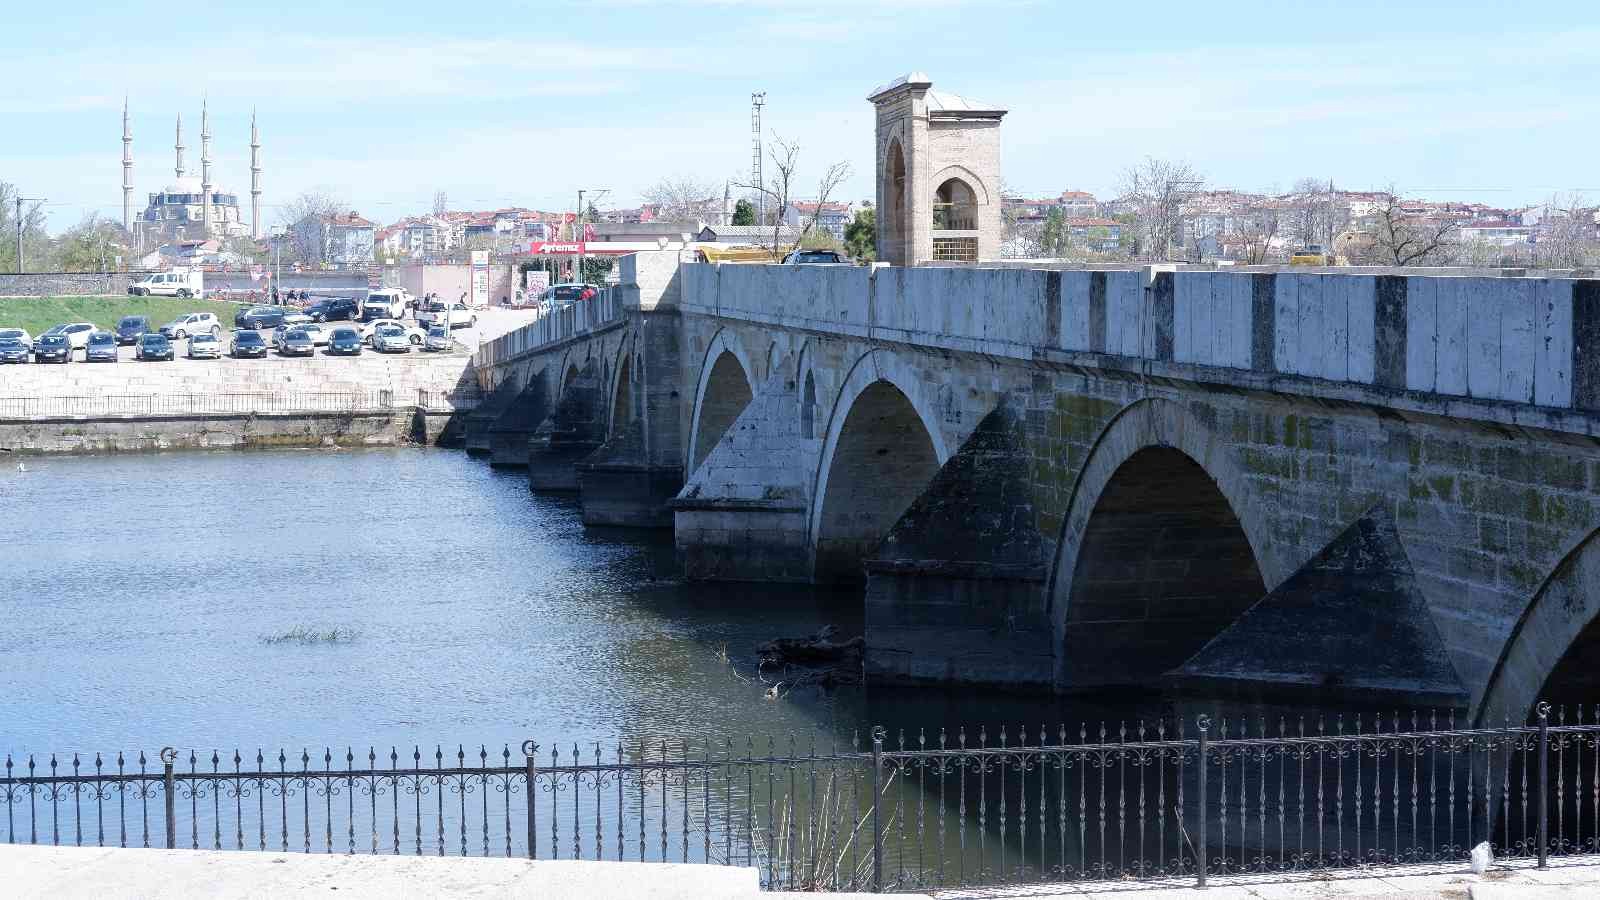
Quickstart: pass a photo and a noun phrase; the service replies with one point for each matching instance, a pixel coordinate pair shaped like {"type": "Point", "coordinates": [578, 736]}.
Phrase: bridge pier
{"type": "Point", "coordinates": [511, 432]}
{"type": "Point", "coordinates": [744, 514]}
{"type": "Point", "coordinates": [619, 486]}
{"type": "Point", "coordinates": [575, 430]}
{"type": "Point", "coordinates": [480, 420]}
{"type": "Point", "coordinates": [955, 593]}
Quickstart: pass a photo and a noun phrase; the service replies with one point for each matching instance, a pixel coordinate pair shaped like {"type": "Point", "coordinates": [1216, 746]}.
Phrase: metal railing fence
{"type": "Point", "coordinates": [241, 403]}
{"type": "Point", "coordinates": [1154, 801]}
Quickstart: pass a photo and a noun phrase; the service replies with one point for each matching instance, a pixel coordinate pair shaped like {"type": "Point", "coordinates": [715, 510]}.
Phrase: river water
{"type": "Point", "coordinates": [142, 593]}
{"type": "Point", "coordinates": [145, 598]}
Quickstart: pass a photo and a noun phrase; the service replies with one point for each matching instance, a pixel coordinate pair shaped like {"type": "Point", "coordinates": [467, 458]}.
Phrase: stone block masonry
{"type": "Point", "coordinates": [207, 404]}
{"type": "Point", "coordinates": [62, 284]}
{"type": "Point", "coordinates": [1186, 440]}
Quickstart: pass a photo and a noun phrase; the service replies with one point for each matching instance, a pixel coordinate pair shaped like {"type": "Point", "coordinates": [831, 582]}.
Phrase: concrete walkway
{"type": "Point", "coordinates": [115, 874]}
{"type": "Point", "coordinates": [1570, 878]}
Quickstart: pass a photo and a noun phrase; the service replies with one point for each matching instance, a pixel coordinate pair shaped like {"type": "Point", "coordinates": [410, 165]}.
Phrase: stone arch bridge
{"type": "Point", "coordinates": [1366, 484]}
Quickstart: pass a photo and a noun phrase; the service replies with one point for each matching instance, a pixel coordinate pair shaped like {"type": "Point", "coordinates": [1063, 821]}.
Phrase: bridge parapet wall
{"type": "Point", "coordinates": [1530, 342]}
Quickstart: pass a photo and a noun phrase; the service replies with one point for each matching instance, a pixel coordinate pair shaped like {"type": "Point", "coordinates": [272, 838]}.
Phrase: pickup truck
{"type": "Point", "coordinates": [460, 315]}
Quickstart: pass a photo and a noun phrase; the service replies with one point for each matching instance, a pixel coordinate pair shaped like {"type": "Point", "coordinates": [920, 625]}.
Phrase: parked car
{"type": "Point", "coordinates": [19, 335]}
{"type": "Point", "coordinates": [814, 257]}
{"type": "Point", "coordinates": [52, 348]}
{"type": "Point", "coordinates": [296, 342]}
{"type": "Point", "coordinates": [131, 328]}
{"type": "Point", "coordinates": [153, 346]}
{"type": "Point", "coordinates": [76, 333]}
{"type": "Point", "coordinates": [13, 351]}
{"type": "Point", "coordinates": [259, 317]}
{"type": "Point", "coordinates": [334, 309]}
{"type": "Point", "coordinates": [438, 339]}
{"type": "Point", "coordinates": [345, 341]}
{"type": "Point", "coordinates": [559, 295]}
{"type": "Point", "coordinates": [205, 346]}
{"type": "Point", "coordinates": [317, 333]}
{"type": "Point", "coordinates": [102, 347]}
{"type": "Point", "coordinates": [413, 333]}
{"type": "Point", "coordinates": [390, 338]}
{"type": "Point", "coordinates": [460, 315]}
{"type": "Point", "coordinates": [247, 343]}
{"type": "Point", "coordinates": [193, 323]}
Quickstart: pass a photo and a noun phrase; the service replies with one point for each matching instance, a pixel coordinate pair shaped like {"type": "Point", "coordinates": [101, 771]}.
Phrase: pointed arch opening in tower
{"type": "Point", "coordinates": [896, 231]}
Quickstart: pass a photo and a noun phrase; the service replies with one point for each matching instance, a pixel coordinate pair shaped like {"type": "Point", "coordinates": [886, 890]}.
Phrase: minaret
{"type": "Point", "coordinates": [178, 169]}
{"type": "Point", "coordinates": [255, 178]}
{"type": "Point", "coordinates": [205, 172]}
{"type": "Point", "coordinates": [127, 169]}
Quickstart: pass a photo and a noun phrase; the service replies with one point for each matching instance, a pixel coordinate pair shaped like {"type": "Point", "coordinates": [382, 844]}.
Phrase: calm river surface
{"type": "Point", "coordinates": [140, 591]}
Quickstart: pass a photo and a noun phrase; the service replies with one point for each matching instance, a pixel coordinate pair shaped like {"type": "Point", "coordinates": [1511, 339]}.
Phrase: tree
{"type": "Point", "coordinates": [35, 242]}
{"type": "Point", "coordinates": [304, 216]}
{"type": "Point", "coordinates": [92, 245]}
{"type": "Point", "coordinates": [744, 213]}
{"type": "Point", "coordinates": [1314, 215]}
{"type": "Point", "coordinates": [785, 160]}
{"type": "Point", "coordinates": [1566, 238]}
{"type": "Point", "coordinates": [682, 199]}
{"type": "Point", "coordinates": [1053, 234]}
{"type": "Point", "coordinates": [861, 235]}
{"type": "Point", "coordinates": [1156, 189]}
{"type": "Point", "coordinates": [1254, 230]}
{"type": "Point", "coordinates": [1400, 238]}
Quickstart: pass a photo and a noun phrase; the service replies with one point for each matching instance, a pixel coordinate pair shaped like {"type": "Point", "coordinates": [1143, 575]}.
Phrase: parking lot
{"type": "Point", "coordinates": [492, 323]}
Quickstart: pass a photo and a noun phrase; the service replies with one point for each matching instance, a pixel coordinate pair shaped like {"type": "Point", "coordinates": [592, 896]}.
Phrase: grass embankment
{"type": "Point", "coordinates": [38, 314]}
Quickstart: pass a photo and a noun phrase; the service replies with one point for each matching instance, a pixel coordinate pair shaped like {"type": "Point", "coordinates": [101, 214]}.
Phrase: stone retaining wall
{"type": "Point", "coordinates": [63, 284]}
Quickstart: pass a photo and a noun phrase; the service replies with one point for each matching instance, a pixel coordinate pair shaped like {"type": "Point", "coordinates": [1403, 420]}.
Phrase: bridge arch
{"type": "Point", "coordinates": [725, 389]}
{"type": "Point", "coordinates": [622, 394]}
{"type": "Point", "coordinates": [1551, 652]}
{"type": "Point", "coordinates": [883, 446]}
{"type": "Point", "coordinates": [1158, 552]}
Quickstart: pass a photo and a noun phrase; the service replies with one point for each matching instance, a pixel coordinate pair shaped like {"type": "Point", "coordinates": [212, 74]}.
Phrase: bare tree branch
{"type": "Point", "coordinates": [683, 199]}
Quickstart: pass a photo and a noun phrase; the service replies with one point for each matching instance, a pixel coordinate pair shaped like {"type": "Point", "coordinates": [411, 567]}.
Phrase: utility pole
{"type": "Point", "coordinates": [756, 102]}
{"type": "Point", "coordinates": [20, 200]}
{"type": "Point", "coordinates": [577, 234]}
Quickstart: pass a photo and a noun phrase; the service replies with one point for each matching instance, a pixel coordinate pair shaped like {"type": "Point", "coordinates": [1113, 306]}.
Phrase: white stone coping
{"type": "Point", "coordinates": [107, 873]}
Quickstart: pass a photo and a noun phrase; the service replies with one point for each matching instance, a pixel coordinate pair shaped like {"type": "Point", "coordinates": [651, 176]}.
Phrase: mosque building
{"type": "Point", "coordinates": [191, 208]}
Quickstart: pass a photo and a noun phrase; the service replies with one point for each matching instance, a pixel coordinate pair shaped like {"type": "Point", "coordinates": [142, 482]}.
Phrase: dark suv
{"type": "Point", "coordinates": [131, 328]}
{"type": "Point", "coordinates": [334, 308]}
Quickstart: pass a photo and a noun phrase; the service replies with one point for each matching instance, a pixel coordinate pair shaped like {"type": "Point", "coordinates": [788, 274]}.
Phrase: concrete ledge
{"type": "Point", "coordinates": [85, 872]}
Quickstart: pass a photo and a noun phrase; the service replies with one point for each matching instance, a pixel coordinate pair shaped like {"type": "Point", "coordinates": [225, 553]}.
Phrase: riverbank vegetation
{"type": "Point", "coordinates": [37, 314]}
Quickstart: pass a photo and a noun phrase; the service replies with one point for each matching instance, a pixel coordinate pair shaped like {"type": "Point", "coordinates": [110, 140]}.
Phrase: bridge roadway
{"type": "Point", "coordinates": [1072, 478]}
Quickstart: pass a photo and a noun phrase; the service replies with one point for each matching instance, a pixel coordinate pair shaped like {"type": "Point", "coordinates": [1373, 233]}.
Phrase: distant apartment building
{"type": "Point", "coordinates": [1093, 233]}
{"type": "Point", "coordinates": [343, 239]}
{"type": "Point", "coordinates": [1072, 204]}
{"type": "Point", "coordinates": [1499, 232]}
{"type": "Point", "coordinates": [830, 217]}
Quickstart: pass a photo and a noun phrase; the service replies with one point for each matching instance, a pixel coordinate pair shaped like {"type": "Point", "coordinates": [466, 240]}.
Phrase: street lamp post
{"type": "Point", "coordinates": [277, 257]}
{"type": "Point", "coordinates": [20, 200]}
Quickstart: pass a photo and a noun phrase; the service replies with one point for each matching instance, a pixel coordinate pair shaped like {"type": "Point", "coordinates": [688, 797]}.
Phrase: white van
{"type": "Point", "coordinates": [176, 283]}
{"type": "Point", "coordinates": [389, 303]}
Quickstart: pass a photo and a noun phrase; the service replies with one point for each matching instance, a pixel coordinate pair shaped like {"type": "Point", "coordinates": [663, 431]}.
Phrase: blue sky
{"type": "Point", "coordinates": [499, 104]}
